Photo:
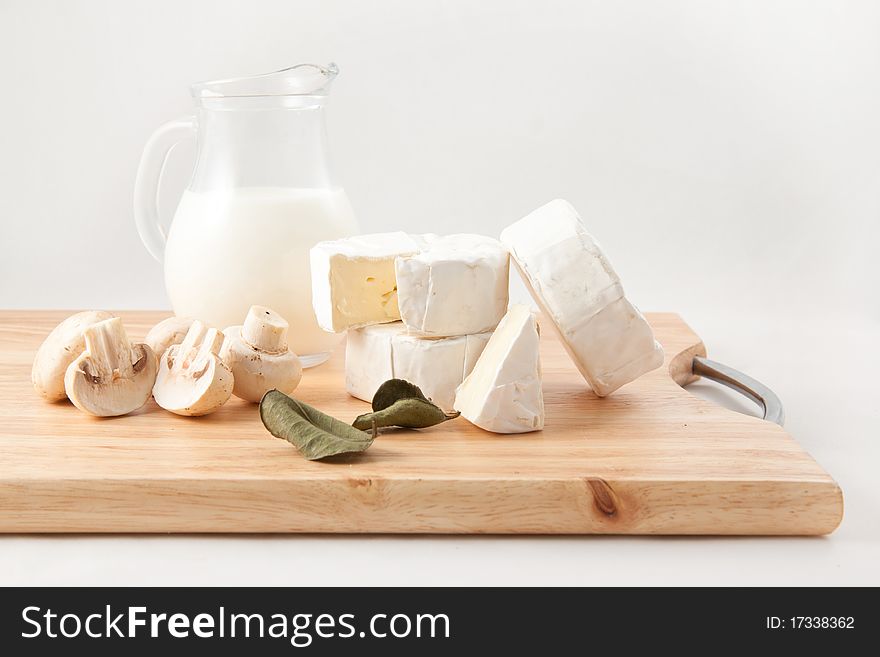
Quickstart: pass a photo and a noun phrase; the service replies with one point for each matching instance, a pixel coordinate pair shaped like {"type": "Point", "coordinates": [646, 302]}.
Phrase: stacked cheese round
{"type": "Point", "coordinates": [449, 294]}
{"type": "Point", "coordinates": [456, 285]}
{"type": "Point", "coordinates": [374, 354]}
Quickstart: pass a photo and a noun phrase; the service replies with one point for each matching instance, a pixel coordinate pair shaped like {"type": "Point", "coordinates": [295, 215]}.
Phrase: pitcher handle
{"type": "Point", "coordinates": [149, 177]}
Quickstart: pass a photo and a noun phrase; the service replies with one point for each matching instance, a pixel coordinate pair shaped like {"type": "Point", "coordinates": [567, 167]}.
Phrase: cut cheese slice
{"type": "Point", "coordinates": [503, 392]}
{"type": "Point", "coordinates": [353, 281]}
{"type": "Point", "coordinates": [572, 281]}
{"type": "Point", "coordinates": [455, 286]}
{"type": "Point", "coordinates": [374, 354]}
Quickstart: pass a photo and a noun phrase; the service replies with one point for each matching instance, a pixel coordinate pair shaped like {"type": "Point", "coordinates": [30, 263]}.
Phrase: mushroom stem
{"type": "Point", "coordinates": [194, 338]}
{"type": "Point", "coordinates": [211, 344]}
{"type": "Point", "coordinates": [199, 345]}
{"type": "Point", "coordinates": [265, 330]}
{"type": "Point", "coordinates": [108, 345]}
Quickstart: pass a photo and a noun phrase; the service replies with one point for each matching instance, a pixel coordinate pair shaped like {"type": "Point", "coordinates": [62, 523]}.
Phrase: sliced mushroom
{"type": "Point", "coordinates": [192, 379]}
{"type": "Point", "coordinates": [258, 356]}
{"type": "Point", "coordinates": [60, 348]}
{"type": "Point", "coordinates": [112, 376]}
{"type": "Point", "coordinates": [168, 332]}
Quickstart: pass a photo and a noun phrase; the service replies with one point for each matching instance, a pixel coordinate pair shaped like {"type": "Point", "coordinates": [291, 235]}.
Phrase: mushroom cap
{"type": "Point", "coordinates": [60, 348]}
{"type": "Point", "coordinates": [257, 372]}
{"type": "Point", "coordinates": [109, 395]}
{"type": "Point", "coordinates": [192, 393]}
{"type": "Point", "coordinates": [169, 331]}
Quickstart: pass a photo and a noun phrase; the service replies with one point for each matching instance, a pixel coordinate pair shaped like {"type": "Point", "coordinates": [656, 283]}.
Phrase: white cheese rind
{"type": "Point", "coordinates": [374, 354]}
{"type": "Point", "coordinates": [503, 393]}
{"type": "Point", "coordinates": [572, 281]}
{"type": "Point", "coordinates": [368, 358]}
{"type": "Point", "coordinates": [457, 285]}
{"type": "Point", "coordinates": [353, 281]}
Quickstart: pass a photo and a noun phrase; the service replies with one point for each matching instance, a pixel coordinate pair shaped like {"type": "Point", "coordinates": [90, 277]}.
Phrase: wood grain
{"type": "Point", "coordinates": [650, 459]}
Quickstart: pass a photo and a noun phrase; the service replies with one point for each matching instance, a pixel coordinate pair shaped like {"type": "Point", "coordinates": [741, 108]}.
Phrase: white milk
{"type": "Point", "coordinates": [230, 249]}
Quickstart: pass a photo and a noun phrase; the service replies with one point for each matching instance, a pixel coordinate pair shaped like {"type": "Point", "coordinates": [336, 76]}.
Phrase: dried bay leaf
{"type": "Point", "coordinates": [394, 389]}
{"type": "Point", "coordinates": [408, 413]}
{"type": "Point", "coordinates": [399, 403]}
{"type": "Point", "coordinates": [315, 434]}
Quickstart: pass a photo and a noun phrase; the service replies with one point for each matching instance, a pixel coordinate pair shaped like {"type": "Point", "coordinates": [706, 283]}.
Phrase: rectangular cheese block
{"type": "Point", "coordinates": [374, 354]}
{"type": "Point", "coordinates": [504, 393]}
{"type": "Point", "coordinates": [573, 282]}
{"type": "Point", "coordinates": [456, 285]}
{"type": "Point", "coordinates": [353, 280]}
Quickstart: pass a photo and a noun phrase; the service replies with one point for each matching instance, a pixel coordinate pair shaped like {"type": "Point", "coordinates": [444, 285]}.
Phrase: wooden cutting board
{"type": "Point", "coordinates": [650, 459]}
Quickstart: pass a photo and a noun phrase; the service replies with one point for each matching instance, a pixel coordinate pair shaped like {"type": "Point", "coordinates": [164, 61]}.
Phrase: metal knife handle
{"type": "Point", "coordinates": [743, 384]}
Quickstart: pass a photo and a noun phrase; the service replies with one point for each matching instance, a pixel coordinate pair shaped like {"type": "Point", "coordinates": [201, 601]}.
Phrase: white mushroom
{"type": "Point", "coordinates": [192, 379]}
{"type": "Point", "coordinates": [168, 332]}
{"type": "Point", "coordinates": [60, 348]}
{"type": "Point", "coordinates": [258, 356]}
{"type": "Point", "coordinates": [112, 376]}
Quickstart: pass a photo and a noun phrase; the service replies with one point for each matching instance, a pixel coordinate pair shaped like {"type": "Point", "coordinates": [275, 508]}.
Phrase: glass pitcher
{"type": "Point", "coordinates": [261, 195]}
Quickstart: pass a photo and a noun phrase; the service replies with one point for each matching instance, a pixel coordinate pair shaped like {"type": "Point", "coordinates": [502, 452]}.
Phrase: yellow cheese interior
{"type": "Point", "coordinates": [364, 290]}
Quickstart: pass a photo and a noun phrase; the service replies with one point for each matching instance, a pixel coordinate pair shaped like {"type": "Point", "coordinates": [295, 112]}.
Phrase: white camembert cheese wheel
{"type": "Point", "coordinates": [572, 281]}
{"type": "Point", "coordinates": [456, 285]}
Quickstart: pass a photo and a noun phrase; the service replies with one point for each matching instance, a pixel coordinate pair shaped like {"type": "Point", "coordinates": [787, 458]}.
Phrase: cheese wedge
{"type": "Point", "coordinates": [353, 281]}
{"type": "Point", "coordinates": [574, 284]}
{"type": "Point", "coordinates": [456, 285]}
{"type": "Point", "coordinates": [374, 354]}
{"type": "Point", "coordinates": [503, 392]}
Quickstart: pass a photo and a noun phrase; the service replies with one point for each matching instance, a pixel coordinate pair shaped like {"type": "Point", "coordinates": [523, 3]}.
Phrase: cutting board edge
{"type": "Point", "coordinates": [570, 506]}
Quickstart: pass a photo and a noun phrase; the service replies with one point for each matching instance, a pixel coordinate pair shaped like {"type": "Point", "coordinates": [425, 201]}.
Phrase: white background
{"type": "Point", "coordinates": [725, 153]}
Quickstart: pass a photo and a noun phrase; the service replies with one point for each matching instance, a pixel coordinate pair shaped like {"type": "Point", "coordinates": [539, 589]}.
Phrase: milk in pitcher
{"type": "Point", "coordinates": [230, 249]}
